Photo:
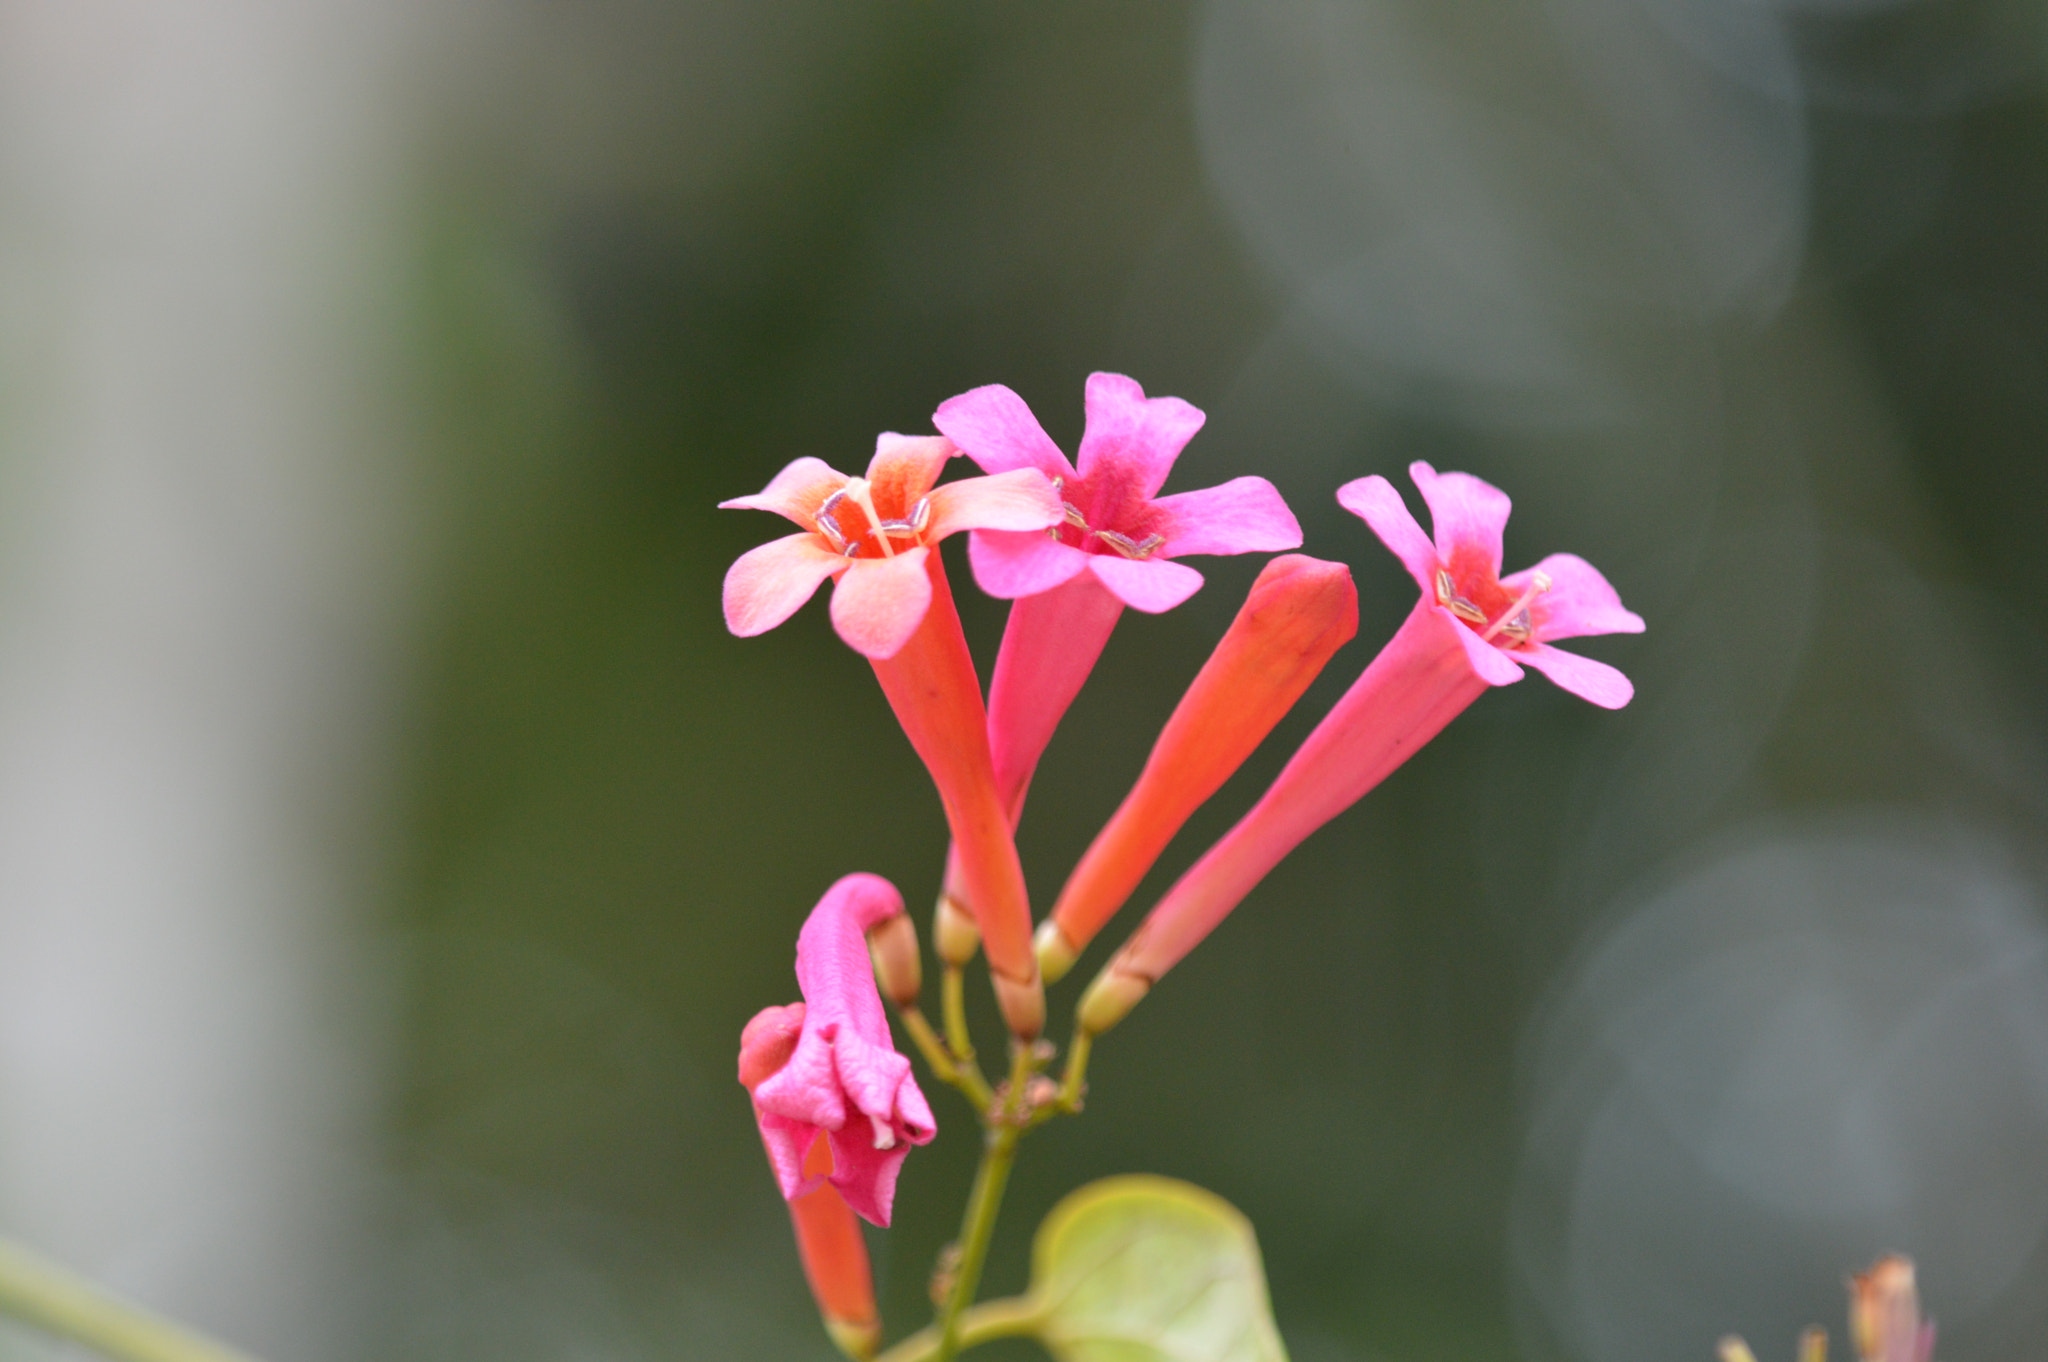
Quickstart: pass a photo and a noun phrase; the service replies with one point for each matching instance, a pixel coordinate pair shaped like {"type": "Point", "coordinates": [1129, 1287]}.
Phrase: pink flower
{"type": "Point", "coordinates": [828, 1238]}
{"type": "Point", "coordinates": [1471, 629]}
{"type": "Point", "coordinates": [873, 535]}
{"type": "Point", "coordinates": [1884, 1314]}
{"type": "Point", "coordinates": [879, 536]}
{"type": "Point", "coordinates": [1114, 547]}
{"type": "Point", "coordinates": [842, 1076]}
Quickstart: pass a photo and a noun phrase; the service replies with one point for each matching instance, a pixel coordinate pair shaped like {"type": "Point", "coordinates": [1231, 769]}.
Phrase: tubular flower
{"type": "Point", "coordinates": [879, 536]}
{"type": "Point", "coordinates": [828, 1238]}
{"type": "Point", "coordinates": [1471, 629]}
{"type": "Point", "coordinates": [1113, 545]}
{"type": "Point", "coordinates": [1299, 612]}
{"type": "Point", "coordinates": [841, 1077]}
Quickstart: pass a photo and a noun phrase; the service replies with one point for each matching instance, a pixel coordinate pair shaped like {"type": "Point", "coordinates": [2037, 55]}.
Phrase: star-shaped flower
{"type": "Point", "coordinates": [872, 534]}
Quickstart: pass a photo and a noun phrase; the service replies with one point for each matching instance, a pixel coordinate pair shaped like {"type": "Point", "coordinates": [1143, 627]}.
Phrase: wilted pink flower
{"type": "Point", "coordinates": [1470, 630]}
{"type": "Point", "coordinates": [879, 535]}
{"type": "Point", "coordinates": [872, 534]}
{"type": "Point", "coordinates": [842, 1076]}
{"type": "Point", "coordinates": [828, 1237]}
{"type": "Point", "coordinates": [1115, 545]}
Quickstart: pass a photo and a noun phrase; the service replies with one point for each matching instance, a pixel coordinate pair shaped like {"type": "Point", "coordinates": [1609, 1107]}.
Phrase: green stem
{"type": "Point", "coordinates": [953, 1009]}
{"type": "Point", "coordinates": [978, 1324]}
{"type": "Point", "coordinates": [976, 1229]}
{"type": "Point", "coordinates": [978, 1226]}
{"type": "Point", "coordinates": [936, 1054]}
{"type": "Point", "coordinates": [56, 1300]}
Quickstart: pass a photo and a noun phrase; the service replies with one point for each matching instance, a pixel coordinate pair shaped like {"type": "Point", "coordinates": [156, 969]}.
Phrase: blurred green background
{"type": "Point", "coordinates": [1587, 1035]}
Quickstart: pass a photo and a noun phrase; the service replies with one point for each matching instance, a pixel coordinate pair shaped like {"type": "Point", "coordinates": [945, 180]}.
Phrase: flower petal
{"type": "Point", "coordinates": [994, 428]}
{"type": "Point", "coordinates": [766, 585]}
{"type": "Point", "coordinates": [1375, 501]}
{"type": "Point", "coordinates": [1009, 566]}
{"type": "Point", "coordinates": [1579, 602]}
{"type": "Point", "coordinates": [865, 1175]}
{"type": "Point", "coordinates": [1466, 515]}
{"type": "Point", "coordinates": [796, 492]}
{"type": "Point", "coordinates": [767, 1042]}
{"type": "Point", "coordinates": [806, 1089]}
{"type": "Point", "coordinates": [1149, 584]}
{"type": "Point", "coordinates": [787, 1142]}
{"type": "Point", "coordinates": [1244, 515]}
{"type": "Point", "coordinates": [1018, 500]}
{"type": "Point", "coordinates": [904, 468]}
{"type": "Point", "coordinates": [1492, 664]}
{"type": "Point", "coordinates": [1582, 676]}
{"type": "Point", "coordinates": [1133, 440]}
{"type": "Point", "coordinates": [879, 602]}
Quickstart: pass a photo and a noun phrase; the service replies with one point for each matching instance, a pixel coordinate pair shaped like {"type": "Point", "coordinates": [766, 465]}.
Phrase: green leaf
{"type": "Point", "coordinates": [1147, 1269]}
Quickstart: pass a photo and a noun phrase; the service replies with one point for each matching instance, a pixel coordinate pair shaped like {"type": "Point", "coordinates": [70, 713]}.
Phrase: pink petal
{"type": "Point", "coordinates": [1132, 440]}
{"type": "Point", "coordinates": [833, 967]}
{"type": "Point", "coordinates": [865, 1175]}
{"type": "Point", "coordinates": [1149, 584]}
{"type": "Point", "coordinates": [767, 1042]}
{"type": "Point", "coordinates": [1582, 676]}
{"type": "Point", "coordinates": [1010, 566]}
{"type": "Point", "coordinates": [879, 602]}
{"type": "Point", "coordinates": [870, 1074]}
{"type": "Point", "coordinates": [1493, 665]}
{"type": "Point", "coordinates": [994, 428]}
{"type": "Point", "coordinates": [787, 1142]}
{"type": "Point", "coordinates": [1016, 501]}
{"type": "Point", "coordinates": [1579, 602]}
{"type": "Point", "coordinates": [1375, 501]}
{"type": "Point", "coordinates": [766, 585]}
{"type": "Point", "coordinates": [1466, 515]}
{"type": "Point", "coordinates": [905, 467]}
{"type": "Point", "coordinates": [807, 1088]}
{"type": "Point", "coordinates": [796, 492]}
{"type": "Point", "coordinates": [1244, 515]}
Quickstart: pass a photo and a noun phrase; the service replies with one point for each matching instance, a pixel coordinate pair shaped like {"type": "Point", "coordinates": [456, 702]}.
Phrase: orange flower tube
{"type": "Point", "coordinates": [932, 686]}
{"type": "Point", "coordinates": [828, 1235]}
{"type": "Point", "coordinates": [1298, 613]}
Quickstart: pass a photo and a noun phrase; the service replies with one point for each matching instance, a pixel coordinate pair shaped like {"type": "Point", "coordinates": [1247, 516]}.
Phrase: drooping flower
{"type": "Point", "coordinates": [873, 535]}
{"type": "Point", "coordinates": [1298, 613]}
{"type": "Point", "coordinates": [1471, 629]}
{"type": "Point", "coordinates": [828, 1237]}
{"type": "Point", "coordinates": [841, 1077]}
{"type": "Point", "coordinates": [879, 536]}
{"type": "Point", "coordinates": [1115, 545]}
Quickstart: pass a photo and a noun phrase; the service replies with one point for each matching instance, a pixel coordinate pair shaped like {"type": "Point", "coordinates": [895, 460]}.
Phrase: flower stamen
{"type": "Point", "coordinates": [1129, 548]}
{"type": "Point", "coordinates": [885, 1138]}
{"type": "Point", "coordinates": [863, 496]}
{"type": "Point", "coordinates": [1514, 621]}
{"type": "Point", "coordinates": [1447, 596]}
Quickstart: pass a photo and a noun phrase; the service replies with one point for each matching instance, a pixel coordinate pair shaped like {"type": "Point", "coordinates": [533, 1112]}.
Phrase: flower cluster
{"type": "Point", "coordinates": [1071, 544]}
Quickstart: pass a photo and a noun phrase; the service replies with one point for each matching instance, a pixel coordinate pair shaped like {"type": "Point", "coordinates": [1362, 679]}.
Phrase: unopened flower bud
{"type": "Point", "coordinates": [954, 935]}
{"type": "Point", "coordinates": [1110, 998]}
{"type": "Point", "coordinates": [892, 944]}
